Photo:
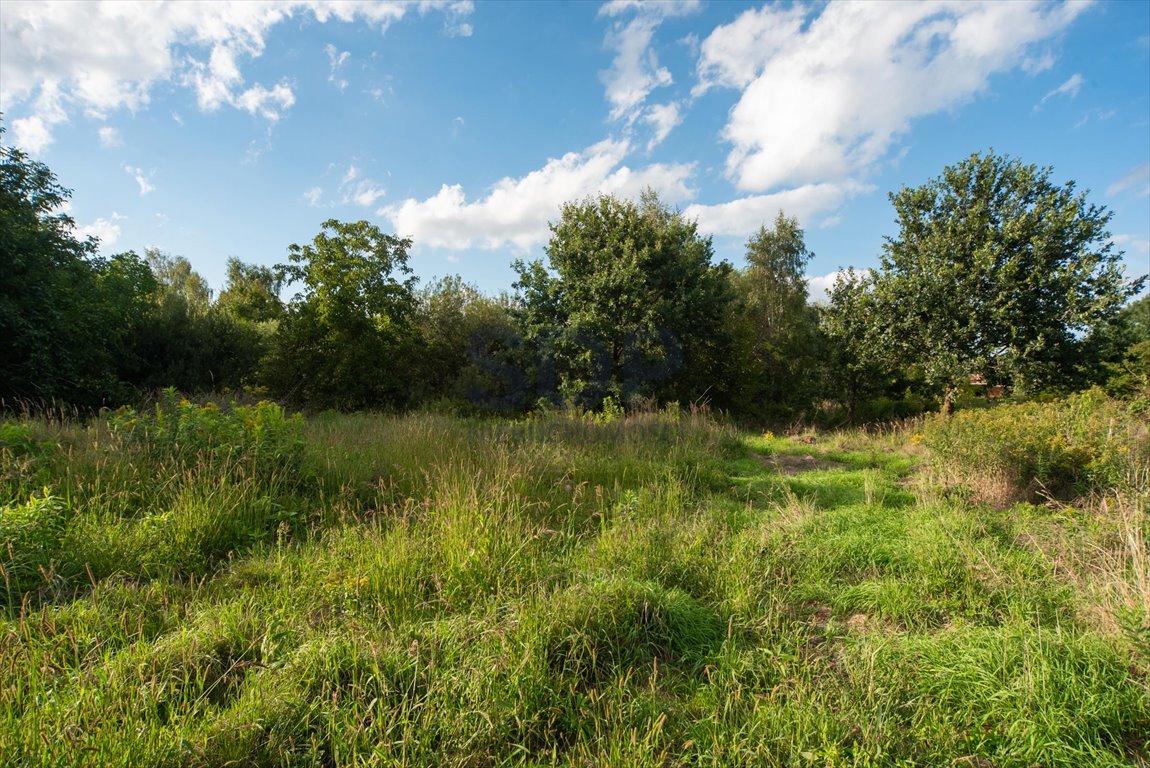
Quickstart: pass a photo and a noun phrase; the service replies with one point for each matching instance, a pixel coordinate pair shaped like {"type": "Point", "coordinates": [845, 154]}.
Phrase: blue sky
{"type": "Point", "coordinates": [212, 130]}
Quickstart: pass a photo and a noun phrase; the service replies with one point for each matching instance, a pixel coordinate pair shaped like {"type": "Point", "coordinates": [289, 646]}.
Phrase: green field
{"type": "Point", "coordinates": [235, 587]}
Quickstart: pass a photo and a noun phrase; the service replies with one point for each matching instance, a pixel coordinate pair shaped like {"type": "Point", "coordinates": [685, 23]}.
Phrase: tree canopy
{"type": "Point", "coordinates": [346, 339]}
{"type": "Point", "coordinates": [630, 301]}
{"type": "Point", "coordinates": [997, 271]}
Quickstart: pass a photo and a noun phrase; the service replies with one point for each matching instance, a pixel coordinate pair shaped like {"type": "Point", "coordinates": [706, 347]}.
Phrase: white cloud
{"type": "Point", "coordinates": [515, 211]}
{"type": "Point", "coordinates": [819, 286]}
{"type": "Point", "coordinates": [336, 58]}
{"type": "Point", "coordinates": [1138, 244]}
{"type": "Point", "coordinates": [268, 104]}
{"type": "Point", "coordinates": [746, 214]}
{"type": "Point", "coordinates": [359, 191]}
{"type": "Point", "coordinates": [365, 194]}
{"type": "Point", "coordinates": [143, 179]}
{"type": "Point", "coordinates": [635, 70]}
{"type": "Point", "coordinates": [33, 134]}
{"type": "Point", "coordinates": [354, 189]}
{"type": "Point", "coordinates": [1070, 88]}
{"type": "Point", "coordinates": [105, 230]}
{"type": "Point", "coordinates": [827, 90]}
{"type": "Point", "coordinates": [660, 8]}
{"type": "Point", "coordinates": [103, 55]}
{"type": "Point", "coordinates": [1137, 178]}
{"type": "Point", "coordinates": [109, 136]}
{"type": "Point", "coordinates": [663, 118]}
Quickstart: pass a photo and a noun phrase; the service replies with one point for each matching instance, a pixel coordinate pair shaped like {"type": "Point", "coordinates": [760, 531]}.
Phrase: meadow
{"type": "Point", "coordinates": [226, 584]}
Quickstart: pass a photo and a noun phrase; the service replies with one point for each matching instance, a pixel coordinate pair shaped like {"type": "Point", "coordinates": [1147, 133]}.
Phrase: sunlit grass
{"type": "Point", "coordinates": [649, 590]}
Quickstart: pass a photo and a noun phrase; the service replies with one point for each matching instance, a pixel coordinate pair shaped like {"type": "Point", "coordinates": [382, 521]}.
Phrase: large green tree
{"type": "Point", "coordinates": [64, 311]}
{"type": "Point", "coordinates": [775, 329]}
{"type": "Point", "coordinates": [252, 292]}
{"type": "Point", "coordinates": [347, 339]}
{"type": "Point", "coordinates": [629, 304]}
{"type": "Point", "coordinates": [996, 270]}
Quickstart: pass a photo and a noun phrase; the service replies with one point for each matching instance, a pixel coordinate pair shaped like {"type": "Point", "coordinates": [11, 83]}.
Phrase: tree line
{"type": "Point", "coordinates": [997, 275]}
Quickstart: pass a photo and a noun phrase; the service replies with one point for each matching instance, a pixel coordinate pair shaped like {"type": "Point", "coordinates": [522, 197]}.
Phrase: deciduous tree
{"type": "Point", "coordinates": [630, 302]}
{"type": "Point", "coordinates": [996, 270]}
{"type": "Point", "coordinates": [347, 339]}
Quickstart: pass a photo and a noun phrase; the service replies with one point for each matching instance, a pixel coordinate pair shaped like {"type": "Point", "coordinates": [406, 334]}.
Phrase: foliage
{"type": "Point", "coordinates": [629, 305]}
{"type": "Point", "coordinates": [457, 327]}
{"type": "Point", "coordinates": [262, 432]}
{"type": "Point", "coordinates": [53, 314]}
{"type": "Point", "coordinates": [32, 533]}
{"type": "Point", "coordinates": [1120, 359]}
{"type": "Point", "coordinates": [996, 271]}
{"type": "Point", "coordinates": [347, 339]}
{"type": "Point", "coordinates": [252, 292]}
{"type": "Point", "coordinates": [775, 331]}
{"type": "Point", "coordinates": [1083, 444]}
{"type": "Point", "coordinates": [856, 373]}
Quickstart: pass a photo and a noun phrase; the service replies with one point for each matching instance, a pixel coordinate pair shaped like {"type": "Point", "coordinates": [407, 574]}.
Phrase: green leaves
{"type": "Point", "coordinates": [998, 271]}
{"type": "Point", "coordinates": [629, 287]}
{"type": "Point", "coordinates": [347, 340]}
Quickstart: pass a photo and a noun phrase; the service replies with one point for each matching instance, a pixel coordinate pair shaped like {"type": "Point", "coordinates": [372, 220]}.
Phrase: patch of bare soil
{"type": "Point", "coordinates": [786, 464]}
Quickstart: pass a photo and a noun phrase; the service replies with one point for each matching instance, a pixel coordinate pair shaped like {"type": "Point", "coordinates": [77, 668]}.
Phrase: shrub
{"type": "Point", "coordinates": [30, 536]}
{"type": "Point", "coordinates": [180, 429]}
{"type": "Point", "coordinates": [1082, 444]}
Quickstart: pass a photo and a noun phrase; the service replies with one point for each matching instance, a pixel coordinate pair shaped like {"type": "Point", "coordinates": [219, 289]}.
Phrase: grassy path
{"type": "Point", "coordinates": [662, 593]}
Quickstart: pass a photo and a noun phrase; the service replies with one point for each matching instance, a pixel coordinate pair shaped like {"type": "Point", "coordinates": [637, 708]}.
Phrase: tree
{"type": "Point", "coordinates": [52, 311]}
{"type": "Point", "coordinates": [995, 271]}
{"type": "Point", "coordinates": [347, 340]}
{"type": "Point", "coordinates": [630, 303]}
{"type": "Point", "coordinates": [454, 320]}
{"type": "Point", "coordinates": [1122, 353]}
{"type": "Point", "coordinates": [179, 282]}
{"type": "Point", "coordinates": [252, 292]}
{"type": "Point", "coordinates": [776, 330]}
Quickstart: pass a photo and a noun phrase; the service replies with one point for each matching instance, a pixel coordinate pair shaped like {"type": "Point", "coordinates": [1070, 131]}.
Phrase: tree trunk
{"type": "Point", "coordinates": [948, 396]}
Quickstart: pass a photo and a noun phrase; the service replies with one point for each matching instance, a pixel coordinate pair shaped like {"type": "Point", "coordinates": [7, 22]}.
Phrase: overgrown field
{"type": "Point", "coordinates": [227, 585]}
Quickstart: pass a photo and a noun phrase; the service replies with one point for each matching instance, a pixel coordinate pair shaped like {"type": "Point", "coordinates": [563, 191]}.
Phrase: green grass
{"type": "Point", "coordinates": [426, 591]}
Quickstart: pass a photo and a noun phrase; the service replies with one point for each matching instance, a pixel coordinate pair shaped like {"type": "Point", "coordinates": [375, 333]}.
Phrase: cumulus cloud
{"type": "Point", "coordinates": [1137, 179]}
{"type": "Point", "coordinates": [109, 136]}
{"type": "Point", "coordinates": [107, 231]}
{"type": "Point", "coordinates": [663, 118]}
{"type": "Point", "coordinates": [515, 211]}
{"type": "Point", "coordinates": [819, 287]}
{"type": "Point", "coordinates": [144, 180]}
{"type": "Point", "coordinates": [1070, 88]}
{"type": "Point", "coordinates": [635, 70]}
{"type": "Point", "coordinates": [827, 90]}
{"type": "Point", "coordinates": [313, 196]}
{"type": "Point", "coordinates": [102, 55]}
{"type": "Point", "coordinates": [34, 133]}
{"type": "Point", "coordinates": [746, 214]}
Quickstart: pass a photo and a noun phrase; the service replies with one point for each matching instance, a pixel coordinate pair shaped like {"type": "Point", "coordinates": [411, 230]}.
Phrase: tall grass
{"type": "Point", "coordinates": [567, 590]}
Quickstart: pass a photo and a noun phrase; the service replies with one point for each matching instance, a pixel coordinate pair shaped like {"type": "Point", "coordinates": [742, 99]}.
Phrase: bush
{"type": "Point", "coordinates": [185, 431]}
{"type": "Point", "coordinates": [1072, 447]}
{"type": "Point", "coordinates": [31, 533]}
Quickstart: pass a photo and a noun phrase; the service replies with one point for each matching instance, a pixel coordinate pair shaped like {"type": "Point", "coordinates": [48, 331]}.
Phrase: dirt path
{"type": "Point", "coordinates": [786, 464]}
